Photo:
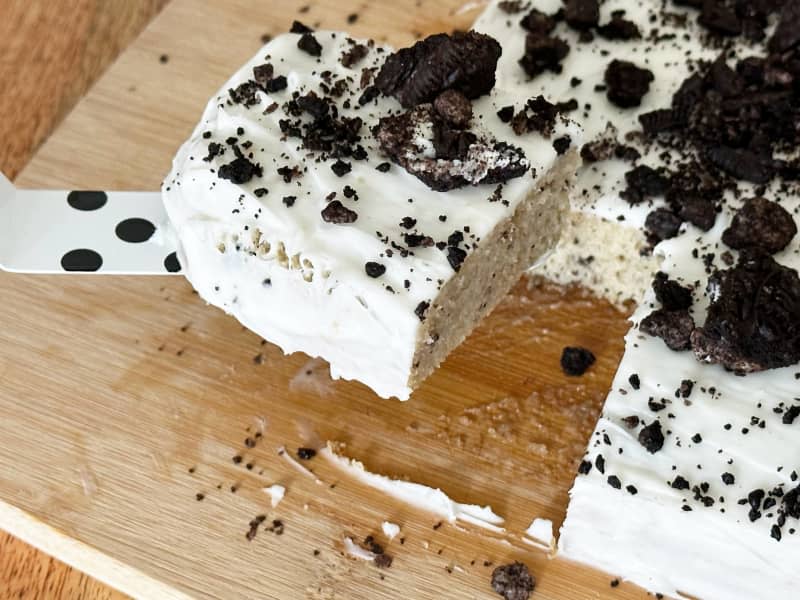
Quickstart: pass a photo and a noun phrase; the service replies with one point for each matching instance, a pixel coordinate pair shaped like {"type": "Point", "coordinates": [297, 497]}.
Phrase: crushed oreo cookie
{"type": "Point", "coordinates": [337, 213]}
{"type": "Point", "coordinates": [575, 361]}
{"type": "Point", "coordinates": [753, 320]}
{"type": "Point", "coordinates": [309, 44]}
{"type": "Point", "coordinates": [626, 83]}
{"type": "Point", "coordinates": [374, 269]}
{"type": "Point", "coordinates": [461, 158]}
{"type": "Point", "coordinates": [760, 223]}
{"type": "Point", "coordinates": [674, 327]}
{"type": "Point", "coordinates": [543, 53]}
{"type": "Point", "coordinates": [513, 581]}
{"type": "Point", "coordinates": [671, 294]}
{"type": "Point", "coordinates": [465, 62]}
{"type": "Point", "coordinates": [651, 437]}
{"type": "Point", "coordinates": [240, 170]}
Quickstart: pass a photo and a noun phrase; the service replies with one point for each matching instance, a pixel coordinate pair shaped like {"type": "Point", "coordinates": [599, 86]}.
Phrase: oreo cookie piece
{"type": "Point", "coordinates": [619, 28]}
{"type": "Point", "coordinates": [576, 361]}
{"type": "Point", "coordinates": [538, 22]}
{"type": "Point", "coordinates": [663, 224]}
{"type": "Point", "coordinates": [674, 327]}
{"type": "Point", "coordinates": [513, 582]}
{"type": "Point", "coordinates": [753, 321]}
{"type": "Point", "coordinates": [760, 223]}
{"type": "Point", "coordinates": [454, 107]}
{"type": "Point", "coordinates": [582, 14]}
{"type": "Point", "coordinates": [627, 84]}
{"type": "Point", "coordinates": [543, 53]}
{"type": "Point", "coordinates": [671, 294]}
{"type": "Point", "coordinates": [461, 157]}
{"type": "Point", "coordinates": [337, 213]}
{"type": "Point", "coordinates": [462, 61]}
{"type": "Point", "coordinates": [787, 33]}
{"type": "Point", "coordinates": [651, 437]}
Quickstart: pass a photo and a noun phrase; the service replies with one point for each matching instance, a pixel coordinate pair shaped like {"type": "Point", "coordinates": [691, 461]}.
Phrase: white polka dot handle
{"type": "Point", "coordinates": [49, 231]}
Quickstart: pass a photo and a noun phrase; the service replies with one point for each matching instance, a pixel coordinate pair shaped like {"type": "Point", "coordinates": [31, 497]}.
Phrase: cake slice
{"type": "Point", "coordinates": [365, 206]}
{"type": "Point", "coordinates": [687, 202]}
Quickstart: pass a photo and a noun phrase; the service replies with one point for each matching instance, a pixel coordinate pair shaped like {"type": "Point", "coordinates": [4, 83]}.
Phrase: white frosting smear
{"type": "Point", "coordinates": [417, 495]}
{"type": "Point", "coordinates": [390, 530]}
{"type": "Point", "coordinates": [276, 493]}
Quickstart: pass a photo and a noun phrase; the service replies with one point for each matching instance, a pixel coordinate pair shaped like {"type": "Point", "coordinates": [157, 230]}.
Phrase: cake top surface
{"type": "Point", "coordinates": [343, 160]}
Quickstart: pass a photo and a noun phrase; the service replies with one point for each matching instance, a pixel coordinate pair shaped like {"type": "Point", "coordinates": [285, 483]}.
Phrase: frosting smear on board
{"type": "Point", "coordinates": [690, 483]}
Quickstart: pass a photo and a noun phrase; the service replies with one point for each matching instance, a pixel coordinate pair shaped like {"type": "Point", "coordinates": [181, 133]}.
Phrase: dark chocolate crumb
{"type": "Point", "coordinates": [298, 27]}
{"type": "Point", "coordinates": [575, 361]}
{"type": "Point", "coordinates": [341, 168]}
{"type": "Point", "coordinates": [306, 453]}
{"type": "Point", "coordinates": [651, 437]}
{"type": "Point", "coordinates": [422, 310]}
{"type": "Point", "coordinates": [338, 213]}
{"type": "Point", "coordinates": [374, 269]}
{"type": "Point", "coordinates": [513, 581]}
{"type": "Point", "coordinates": [309, 44]}
{"type": "Point", "coordinates": [627, 83]}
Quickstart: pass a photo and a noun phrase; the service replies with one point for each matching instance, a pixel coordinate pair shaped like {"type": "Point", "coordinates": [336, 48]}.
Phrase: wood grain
{"type": "Point", "coordinates": [123, 398]}
{"type": "Point", "coordinates": [50, 53]}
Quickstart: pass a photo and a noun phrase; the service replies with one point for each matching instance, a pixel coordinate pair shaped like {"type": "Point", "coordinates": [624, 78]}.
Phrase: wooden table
{"type": "Point", "coordinates": [51, 53]}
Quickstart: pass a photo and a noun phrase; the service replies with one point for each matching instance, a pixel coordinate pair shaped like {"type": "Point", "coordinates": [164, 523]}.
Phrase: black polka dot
{"type": "Point", "coordinates": [87, 200]}
{"type": "Point", "coordinates": [171, 263]}
{"type": "Point", "coordinates": [81, 260]}
{"type": "Point", "coordinates": [135, 230]}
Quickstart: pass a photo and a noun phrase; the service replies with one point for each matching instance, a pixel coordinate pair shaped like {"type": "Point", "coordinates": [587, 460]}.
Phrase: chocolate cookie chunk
{"type": "Point", "coordinates": [454, 107]}
{"type": "Point", "coordinates": [761, 223]}
{"type": "Point", "coordinates": [787, 33]}
{"type": "Point", "coordinates": [619, 28]}
{"type": "Point", "coordinates": [671, 294]}
{"type": "Point", "coordinates": [513, 582]}
{"type": "Point", "coordinates": [538, 22]}
{"type": "Point", "coordinates": [651, 437]}
{"type": "Point", "coordinates": [582, 14]}
{"type": "Point", "coordinates": [663, 224]}
{"type": "Point", "coordinates": [674, 327]}
{"type": "Point", "coordinates": [461, 157]}
{"type": "Point", "coordinates": [627, 83]}
{"type": "Point", "coordinates": [462, 61]}
{"type": "Point", "coordinates": [543, 53]}
{"type": "Point", "coordinates": [338, 213]}
{"type": "Point", "coordinates": [576, 361]}
{"type": "Point", "coordinates": [753, 321]}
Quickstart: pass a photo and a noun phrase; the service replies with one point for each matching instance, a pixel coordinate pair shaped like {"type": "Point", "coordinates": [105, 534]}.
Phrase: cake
{"type": "Point", "coordinates": [687, 203]}
{"type": "Point", "coordinates": [366, 206]}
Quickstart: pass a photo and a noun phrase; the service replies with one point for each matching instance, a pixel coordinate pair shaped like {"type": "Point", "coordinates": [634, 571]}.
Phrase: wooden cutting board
{"type": "Point", "coordinates": [123, 398]}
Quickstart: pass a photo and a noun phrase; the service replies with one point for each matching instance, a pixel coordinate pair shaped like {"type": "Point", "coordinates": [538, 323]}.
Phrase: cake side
{"type": "Point", "coordinates": [494, 267]}
{"type": "Point", "coordinates": [607, 258]}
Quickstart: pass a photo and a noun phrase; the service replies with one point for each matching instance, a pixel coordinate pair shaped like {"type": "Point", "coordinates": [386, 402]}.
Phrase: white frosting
{"type": "Point", "coordinates": [540, 534]}
{"type": "Point", "coordinates": [276, 493]}
{"type": "Point", "coordinates": [647, 538]}
{"type": "Point", "coordinates": [415, 494]}
{"type": "Point", "coordinates": [295, 464]}
{"type": "Point", "coordinates": [598, 186]}
{"type": "Point", "coordinates": [319, 299]}
{"type": "Point", "coordinates": [356, 551]}
{"type": "Point", "coordinates": [390, 530]}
